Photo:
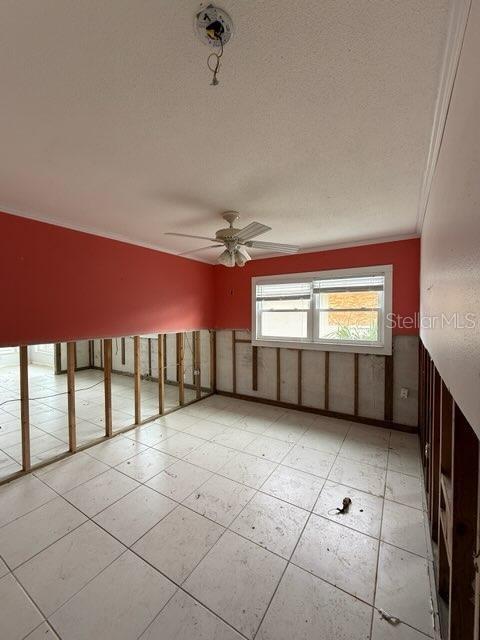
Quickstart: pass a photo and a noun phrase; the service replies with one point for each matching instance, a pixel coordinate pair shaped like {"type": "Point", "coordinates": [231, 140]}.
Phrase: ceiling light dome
{"type": "Point", "coordinates": [227, 258]}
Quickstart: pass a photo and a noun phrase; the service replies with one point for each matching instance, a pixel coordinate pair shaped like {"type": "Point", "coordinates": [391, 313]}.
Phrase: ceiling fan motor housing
{"type": "Point", "coordinates": [226, 234]}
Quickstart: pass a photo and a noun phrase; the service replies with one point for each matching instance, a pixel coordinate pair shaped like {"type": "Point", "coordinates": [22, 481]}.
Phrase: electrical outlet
{"type": "Point", "coordinates": [403, 393]}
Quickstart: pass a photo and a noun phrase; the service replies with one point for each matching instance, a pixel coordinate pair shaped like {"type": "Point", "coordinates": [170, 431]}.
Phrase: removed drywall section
{"type": "Point", "coordinates": [244, 370]}
{"type": "Point", "coordinates": [224, 361]}
{"type": "Point", "coordinates": [405, 375]}
{"type": "Point", "coordinates": [81, 355]}
{"type": "Point", "coordinates": [205, 348]}
{"type": "Point", "coordinates": [171, 372]}
{"type": "Point", "coordinates": [313, 379]}
{"type": "Point", "coordinates": [341, 383]}
{"type": "Point", "coordinates": [289, 375]}
{"type": "Point", "coordinates": [266, 367]}
{"type": "Point", "coordinates": [188, 357]}
{"type": "Point", "coordinates": [368, 386]}
{"type": "Point", "coordinates": [371, 386]}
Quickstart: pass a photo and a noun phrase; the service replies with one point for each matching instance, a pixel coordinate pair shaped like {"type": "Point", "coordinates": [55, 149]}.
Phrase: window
{"type": "Point", "coordinates": [342, 310]}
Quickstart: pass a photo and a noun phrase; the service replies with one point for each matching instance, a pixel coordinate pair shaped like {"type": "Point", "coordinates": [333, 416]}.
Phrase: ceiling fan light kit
{"type": "Point", "coordinates": [236, 240]}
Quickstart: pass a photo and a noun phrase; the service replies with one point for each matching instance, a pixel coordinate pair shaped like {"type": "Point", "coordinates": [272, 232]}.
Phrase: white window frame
{"type": "Point", "coordinates": [382, 347]}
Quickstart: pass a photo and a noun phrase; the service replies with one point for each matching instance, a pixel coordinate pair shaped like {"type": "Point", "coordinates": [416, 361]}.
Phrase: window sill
{"type": "Point", "coordinates": [381, 350]}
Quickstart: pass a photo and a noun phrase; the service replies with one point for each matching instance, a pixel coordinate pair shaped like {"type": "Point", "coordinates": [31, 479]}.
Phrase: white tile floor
{"type": "Point", "coordinates": [219, 522]}
{"type": "Point", "coordinates": [49, 416]}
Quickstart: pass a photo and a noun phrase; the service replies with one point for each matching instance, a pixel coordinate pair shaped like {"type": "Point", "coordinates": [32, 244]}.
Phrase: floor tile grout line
{"type": "Point", "coordinates": [44, 621]}
{"type": "Point", "coordinates": [379, 547]}
{"type": "Point", "coordinates": [31, 510]}
{"type": "Point", "coordinates": [256, 490]}
{"type": "Point", "coordinates": [125, 550]}
{"type": "Point", "coordinates": [24, 562]}
{"type": "Point", "coordinates": [292, 554]}
{"type": "Point", "coordinates": [31, 600]}
{"type": "Point", "coordinates": [295, 443]}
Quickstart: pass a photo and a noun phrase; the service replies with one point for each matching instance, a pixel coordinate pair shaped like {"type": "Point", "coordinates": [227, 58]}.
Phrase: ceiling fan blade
{"type": "Point", "coordinates": [186, 235]}
{"type": "Point", "coordinates": [251, 231]}
{"type": "Point", "coordinates": [210, 246]}
{"type": "Point", "coordinates": [273, 246]}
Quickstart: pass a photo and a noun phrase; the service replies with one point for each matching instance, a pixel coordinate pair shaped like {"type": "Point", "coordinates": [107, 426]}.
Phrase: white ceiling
{"type": "Point", "coordinates": [319, 128]}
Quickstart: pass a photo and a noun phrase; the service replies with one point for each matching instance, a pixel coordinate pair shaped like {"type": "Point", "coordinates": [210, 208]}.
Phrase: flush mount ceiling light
{"type": "Point", "coordinates": [236, 241]}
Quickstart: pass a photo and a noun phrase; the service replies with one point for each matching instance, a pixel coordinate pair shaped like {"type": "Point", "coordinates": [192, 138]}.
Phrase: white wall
{"type": "Point", "coordinates": [450, 263]}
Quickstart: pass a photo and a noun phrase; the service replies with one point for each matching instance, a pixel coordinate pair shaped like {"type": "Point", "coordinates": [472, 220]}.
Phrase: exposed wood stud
{"type": "Point", "coordinates": [107, 378]}
{"type": "Point", "coordinates": [234, 362]}
{"type": "Point", "coordinates": [72, 428]}
{"type": "Point", "coordinates": [123, 351]}
{"type": "Point", "coordinates": [435, 457]}
{"type": "Point", "coordinates": [177, 350]}
{"type": "Point", "coordinates": [243, 340]}
{"type": "Point", "coordinates": [355, 384]}
{"type": "Point", "coordinates": [161, 375]}
{"type": "Point", "coordinates": [75, 355]}
{"type": "Point", "coordinates": [181, 367]}
{"type": "Point", "coordinates": [149, 357]}
{"type": "Point", "coordinates": [197, 364]}
{"type": "Point", "coordinates": [165, 357]}
{"type": "Point", "coordinates": [213, 361]}
{"type": "Point", "coordinates": [137, 379]}
{"type": "Point", "coordinates": [24, 408]}
{"type": "Point", "coordinates": [476, 633]}
{"type": "Point", "coordinates": [388, 405]}
{"type": "Point", "coordinates": [420, 385]}
{"type": "Point", "coordinates": [91, 353]}
{"type": "Point", "coordinates": [101, 355]}
{"type": "Point", "coordinates": [58, 358]}
{"type": "Point", "coordinates": [255, 368]}
{"type": "Point", "coordinates": [464, 533]}
{"type": "Point", "coordinates": [327, 380]}
{"type": "Point", "coordinates": [279, 375]}
{"type": "Point", "coordinates": [299, 376]}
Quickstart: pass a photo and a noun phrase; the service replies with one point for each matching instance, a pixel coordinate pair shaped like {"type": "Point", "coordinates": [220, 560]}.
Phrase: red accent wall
{"type": "Point", "coordinates": [57, 284]}
{"type": "Point", "coordinates": [233, 286]}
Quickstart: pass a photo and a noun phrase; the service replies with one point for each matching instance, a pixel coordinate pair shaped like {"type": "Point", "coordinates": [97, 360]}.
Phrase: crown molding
{"type": "Point", "coordinates": [119, 238]}
{"type": "Point", "coordinates": [458, 19]}
{"type": "Point", "coordinates": [93, 231]}
{"type": "Point", "coordinates": [343, 245]}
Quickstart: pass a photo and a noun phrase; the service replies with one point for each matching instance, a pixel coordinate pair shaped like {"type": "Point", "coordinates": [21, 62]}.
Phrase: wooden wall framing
{"type": "Point", "coordinates": [387, 420]}
{"type": "Point", "coordinates": [72, 429]}
{"type": "Point", "coordinates": [181, 368]}
{"type": "Point", "coordinates": [24, 408]}
{"type": "Point", "coordinates": [106, 362]}
{"type": "Point", "coordinates": [107, 377]}
{"type": "Point", "coordinates": [137, 379]}
{"type": "Point", "coordinates": [452, 478]}
{"type": "Point", "coordinates": [161, 374]}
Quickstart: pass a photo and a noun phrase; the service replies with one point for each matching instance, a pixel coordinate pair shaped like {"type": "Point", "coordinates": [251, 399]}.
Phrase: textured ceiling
{"type": "Point", "coordinates": [319, 127]}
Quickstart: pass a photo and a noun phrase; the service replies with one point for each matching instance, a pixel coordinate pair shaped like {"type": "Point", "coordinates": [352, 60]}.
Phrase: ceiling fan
{"type": "Point", "coordinates": [235, 240]}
